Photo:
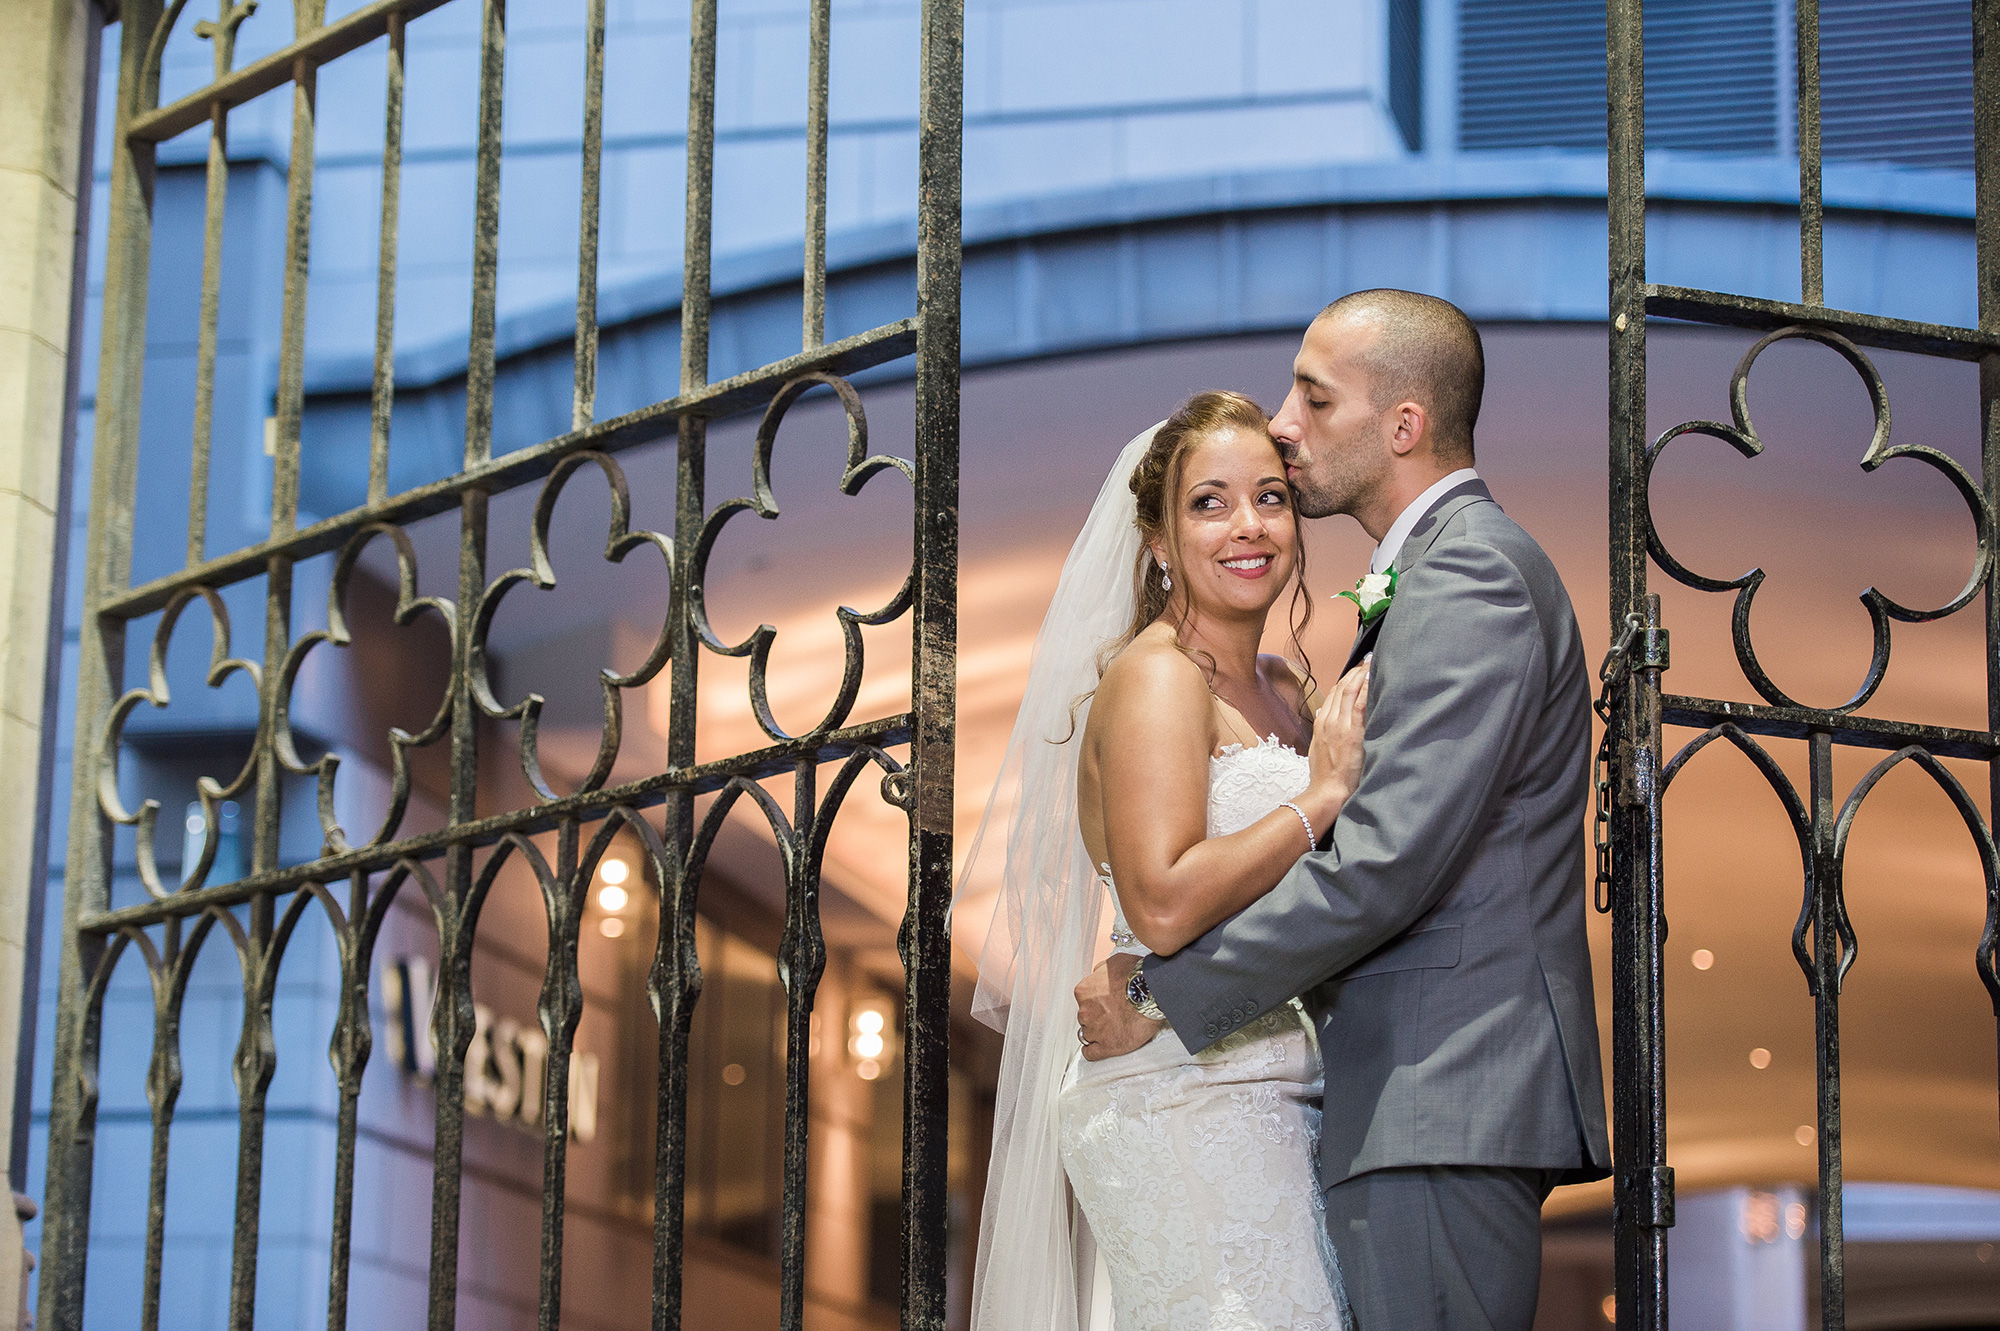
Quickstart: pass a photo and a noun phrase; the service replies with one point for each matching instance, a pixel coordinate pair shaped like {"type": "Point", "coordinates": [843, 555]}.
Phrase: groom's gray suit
{"type": "Point", "coordinates": [1438, 936]}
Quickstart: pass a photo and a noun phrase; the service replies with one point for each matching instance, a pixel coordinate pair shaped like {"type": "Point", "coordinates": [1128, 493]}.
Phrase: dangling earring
{"type": "Point", "coordinates": [1166, 581]}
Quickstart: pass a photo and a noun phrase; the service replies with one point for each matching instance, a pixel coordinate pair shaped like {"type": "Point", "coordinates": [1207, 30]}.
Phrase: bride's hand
{"type": "Point", "coordinates": [1336, 741]}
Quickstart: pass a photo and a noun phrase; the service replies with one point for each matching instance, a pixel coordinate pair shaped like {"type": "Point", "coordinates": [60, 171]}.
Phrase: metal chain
{"type": "Point", "coordinates": [1612, 675]}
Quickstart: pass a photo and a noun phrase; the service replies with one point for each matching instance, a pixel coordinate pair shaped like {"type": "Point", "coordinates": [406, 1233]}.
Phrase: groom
{"type": "Point", "coordinates": [1437, 934]}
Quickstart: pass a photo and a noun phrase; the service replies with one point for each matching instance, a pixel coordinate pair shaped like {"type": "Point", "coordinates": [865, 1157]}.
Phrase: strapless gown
{"type": "Point", "coordinates": [1195, 1171]}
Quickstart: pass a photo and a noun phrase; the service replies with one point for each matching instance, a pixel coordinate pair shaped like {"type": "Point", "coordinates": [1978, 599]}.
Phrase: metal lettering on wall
{"type": "Point", "coordinates": [557, 839]}
{"type": "Point", "coordinates": [506, 1065]}
{"type": "Point", "coordinates": [1636, 708]}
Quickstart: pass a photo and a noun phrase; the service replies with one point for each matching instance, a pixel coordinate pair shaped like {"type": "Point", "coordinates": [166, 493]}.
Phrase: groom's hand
{"type": "Point", "coordinates": [1108, 1024]}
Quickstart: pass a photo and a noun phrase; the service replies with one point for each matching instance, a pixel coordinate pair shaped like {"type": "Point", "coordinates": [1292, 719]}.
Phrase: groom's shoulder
{"type": "Point", "coordinates": [1489, 525]}
{"type": "Point", "coordinates": [1483, 542]}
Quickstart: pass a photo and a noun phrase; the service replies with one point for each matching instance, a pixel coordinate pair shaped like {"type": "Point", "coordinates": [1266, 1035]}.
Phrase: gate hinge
{"type": "Point", "coordinates": [1649, 649]}
{"type": "Point", "coordinates": [1647, 1195]}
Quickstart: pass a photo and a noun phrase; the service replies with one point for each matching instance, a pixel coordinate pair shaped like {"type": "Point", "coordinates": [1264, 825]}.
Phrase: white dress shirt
{"type": "Point", "coordinates": [1399, 530]}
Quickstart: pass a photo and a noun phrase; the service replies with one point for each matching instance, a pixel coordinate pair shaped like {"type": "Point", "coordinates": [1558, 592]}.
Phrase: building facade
{"type": "Point", "coordinates": [1159, 195]}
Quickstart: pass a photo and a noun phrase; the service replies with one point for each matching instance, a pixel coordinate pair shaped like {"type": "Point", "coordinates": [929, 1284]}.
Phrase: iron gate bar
{"type": "Point", "coordinates": [584, 405]}
{"type": "Point", "coordinates": [319, 47]}
{"type": "Point", "coordinates": [187, 914]}
{"type": "Point", "coordinates": [645, 792]}
{"type": "Point", "coordinates": [1823, 939]}
{"type": "Point", "coordinates": [1869, 330]}
{"type": "Point", "coordinates": [1801, 723]}
{"type": "Point", "coordinates": [222, 35]}
{"type": "Point", "coordinates": [1805, 47]}
{"type": "Point", "coordinates": [924, 942]}
{"type": "Point", "coordinates": [107, 563]}
{"type": "Point", "coordinates": [645, 425]}
{"type": "Point", "coordinates": [382, 388]}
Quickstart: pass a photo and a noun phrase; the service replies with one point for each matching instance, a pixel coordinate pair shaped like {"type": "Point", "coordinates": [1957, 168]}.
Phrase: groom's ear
{"type": "Point", "coordinates": [1406, 424]}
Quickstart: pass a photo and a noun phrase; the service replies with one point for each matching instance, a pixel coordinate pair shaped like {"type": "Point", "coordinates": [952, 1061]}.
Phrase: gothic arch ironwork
{"type": "Point", "coordinates": [456, 865]}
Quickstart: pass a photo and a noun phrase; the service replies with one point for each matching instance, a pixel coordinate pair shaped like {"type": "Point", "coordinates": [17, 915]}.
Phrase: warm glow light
{"type": "Point", "coordinates": [868, 1044]}
{"type": "Point", "coordinates": [1703, 958]}
{"type": "Point", "coordinates": [612, 897]}
{"type": "Point", "coordinates": [732, 1074]}
{"type": "Point", "coordinates": [1760, 1058]}
{"type": "Point", "coordinates": [1795, 1220]}
{"type": "Point", "coordinates": [868, 1069]}
{"type": "Point", "coordinates": [868, 1021]}
{"type": "Point", "coordinates": [1610, 1306]}
{"type": "Point", "coordinates": [614, 871]}
{"type": "Point", "coordinates": [1805, 1134]}
{"type": "Point", "coordinates": [611, 926]}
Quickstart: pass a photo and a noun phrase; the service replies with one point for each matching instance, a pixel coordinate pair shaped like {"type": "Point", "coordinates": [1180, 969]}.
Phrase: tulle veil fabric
{"type": "Point", "coordinates": [1036, 1262]}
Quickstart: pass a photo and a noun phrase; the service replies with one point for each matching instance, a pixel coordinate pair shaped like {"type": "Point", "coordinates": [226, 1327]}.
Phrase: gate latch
{"type": "Point", "coordinates": [1639, 647]}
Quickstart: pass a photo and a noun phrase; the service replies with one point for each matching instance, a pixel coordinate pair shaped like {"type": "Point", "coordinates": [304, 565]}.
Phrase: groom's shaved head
{"type": "Point", "coordinates": [1426, 351]}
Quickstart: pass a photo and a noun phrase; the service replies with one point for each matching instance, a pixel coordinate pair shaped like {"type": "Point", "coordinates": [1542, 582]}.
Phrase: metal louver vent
{"type": "Point", "coordinates": [1712, 75]}
{"type": "Point", "coordinates": [1896, 81]}
{"type": "Point", "coordinates": [1531, 74]}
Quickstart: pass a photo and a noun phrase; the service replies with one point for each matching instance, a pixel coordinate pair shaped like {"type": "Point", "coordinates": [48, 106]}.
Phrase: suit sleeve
{"type": "Point", "coordinates": [1460, 667]}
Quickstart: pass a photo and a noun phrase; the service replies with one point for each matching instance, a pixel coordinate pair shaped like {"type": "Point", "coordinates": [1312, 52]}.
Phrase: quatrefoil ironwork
{"type": "Point", "coordinates": [861, 468]}
{"type": "Point", "coordinates": [1742, 435]}
{"type": "Point", "coordinates": [409, 606]}
{"type": "Point", "coordinates": [211, 792]}
{"type": "Point", "coordinates": [620, 542]}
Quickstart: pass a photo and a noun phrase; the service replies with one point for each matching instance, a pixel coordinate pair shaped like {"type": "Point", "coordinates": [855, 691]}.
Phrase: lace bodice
{"type": "Point", "coordinates": [1245, 782]}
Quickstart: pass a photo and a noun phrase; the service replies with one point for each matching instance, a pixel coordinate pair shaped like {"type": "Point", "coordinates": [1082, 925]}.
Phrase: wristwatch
{"type": "Point", "coordinates": [1140, 996]}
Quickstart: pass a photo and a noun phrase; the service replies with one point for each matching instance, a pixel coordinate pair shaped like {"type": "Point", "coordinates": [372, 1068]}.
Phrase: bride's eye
{"type": "Point", "coordinates": [1279, 497]}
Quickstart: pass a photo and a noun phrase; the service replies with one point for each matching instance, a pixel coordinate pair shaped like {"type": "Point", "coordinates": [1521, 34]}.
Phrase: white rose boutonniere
{"type": "Point", "coordinates": [1373, 594]}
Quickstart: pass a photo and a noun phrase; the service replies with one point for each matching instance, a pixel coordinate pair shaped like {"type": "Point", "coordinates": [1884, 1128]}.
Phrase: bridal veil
{"type": "Point", "coordinates": [1035, 1258]}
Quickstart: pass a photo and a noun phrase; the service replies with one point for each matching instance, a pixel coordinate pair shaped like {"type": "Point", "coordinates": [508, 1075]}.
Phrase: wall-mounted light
{"type": "Point", "coordinates": [612, 896]}
{"type": "Point", "coordinates": [869, 1037]}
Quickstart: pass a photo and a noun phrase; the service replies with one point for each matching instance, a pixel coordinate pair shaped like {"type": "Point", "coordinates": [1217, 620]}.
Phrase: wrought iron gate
{"type": "Point", "coordinates": [1639, 771]}
{"type": "Point", "coordinates": [455, 867]}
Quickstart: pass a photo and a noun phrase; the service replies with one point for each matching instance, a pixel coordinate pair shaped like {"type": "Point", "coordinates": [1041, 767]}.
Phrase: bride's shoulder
{"type": "Point", "coordinates": [1151, 673]}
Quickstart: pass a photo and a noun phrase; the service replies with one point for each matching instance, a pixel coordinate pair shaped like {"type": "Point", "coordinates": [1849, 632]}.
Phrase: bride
{"type": "Point", "coordinates": [1160, 759]}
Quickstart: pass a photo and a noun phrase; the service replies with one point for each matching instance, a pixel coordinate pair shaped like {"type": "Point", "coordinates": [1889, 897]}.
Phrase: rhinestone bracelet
{"type": "Point", "coordinates": [1312, 840]}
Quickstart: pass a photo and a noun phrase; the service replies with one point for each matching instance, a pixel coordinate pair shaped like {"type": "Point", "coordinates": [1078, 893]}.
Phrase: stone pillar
{"type": "Point", "coordinates": [42, 112]}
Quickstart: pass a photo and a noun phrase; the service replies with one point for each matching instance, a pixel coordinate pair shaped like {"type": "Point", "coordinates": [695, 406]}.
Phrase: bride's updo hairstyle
{"type": "Point", "coordinates": [1158, 476]}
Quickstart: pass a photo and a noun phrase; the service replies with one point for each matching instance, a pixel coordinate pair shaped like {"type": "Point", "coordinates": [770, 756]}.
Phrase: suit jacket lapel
{"type": "Point", "coordinates": [1364, 641]}
{"type": "Point", "coordinates": [1415, 547]}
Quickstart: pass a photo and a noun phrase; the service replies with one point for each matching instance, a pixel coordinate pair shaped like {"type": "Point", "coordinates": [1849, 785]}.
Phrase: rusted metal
{"type": "Point", "coordinates": [819, 54]}
{"type": "Point", "coordinates": [382, 389]}
{"type": "Point", "coordinates": [1823, 939]}
{"type": "Point", "coordinates": [454, 867]}
{"type": "Point", "coordinates": [584, 404]}
{"type": "Point", "coordinates": [222, 35]}
{"type": "Point", "coordinates": [1812, 261]}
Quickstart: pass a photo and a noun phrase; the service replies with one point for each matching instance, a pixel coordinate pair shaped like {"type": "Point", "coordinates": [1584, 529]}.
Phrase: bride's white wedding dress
{"type": "Point", "coordinates": [1195, 1171]}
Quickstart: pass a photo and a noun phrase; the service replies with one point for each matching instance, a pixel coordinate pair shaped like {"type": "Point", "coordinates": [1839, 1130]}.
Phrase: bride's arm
{"type": "Point", "coordinates": [1149, 731]}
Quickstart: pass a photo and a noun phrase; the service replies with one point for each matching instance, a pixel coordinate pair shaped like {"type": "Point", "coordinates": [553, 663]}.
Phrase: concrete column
{"type": "Point", "coordinates": [42, 106]}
